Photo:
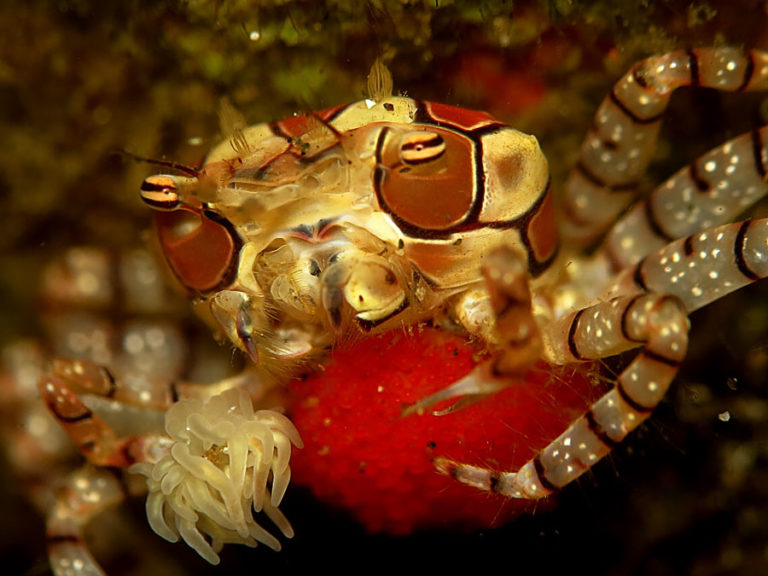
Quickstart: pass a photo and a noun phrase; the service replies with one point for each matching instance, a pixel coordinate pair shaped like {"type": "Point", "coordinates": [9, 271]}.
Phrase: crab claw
{"type": "Point", "coordinates": [366, 287]}
{"type": "Point", "coordinates": [234, 312]}
{"type": "Point", "coordinates": [473, 387]}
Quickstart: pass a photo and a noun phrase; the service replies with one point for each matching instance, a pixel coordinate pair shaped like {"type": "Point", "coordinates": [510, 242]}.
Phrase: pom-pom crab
{"type": "Point", "coordinates": [296, 235]}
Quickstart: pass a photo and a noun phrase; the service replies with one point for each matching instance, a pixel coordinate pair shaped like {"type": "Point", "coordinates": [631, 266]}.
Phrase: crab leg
{"type": "Point", "coordinates": [660, 325]}
{"type": "Point", "coordinates": [678, 281]}
{"type": "Point", "coordinates": [506, 277]}
{"type": "Point", "coordinates": [85, 494]}
{"type": "Point", "coordinates": [703, 267]}
{"type": "Point", "coordinates": [86, 377]}
{"type": "Point", "coordinates": [621, 144]}
{"type": "Point", "coordinates": [90, 433]}
{"type": "Point", "coordinates": [714, 190]}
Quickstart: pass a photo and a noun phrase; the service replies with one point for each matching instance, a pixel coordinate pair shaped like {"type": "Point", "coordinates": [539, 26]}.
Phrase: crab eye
{"type": "Point", "coordinates": [421, 147]}
{"type": "Point", "coordinates": [201, 249]}
{"type": "Point", "coordinates": [425, 179]}
{"type": "Point", "coordinates": [160, 192]}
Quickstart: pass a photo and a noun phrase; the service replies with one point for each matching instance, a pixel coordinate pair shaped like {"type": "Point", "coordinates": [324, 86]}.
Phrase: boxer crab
{"type": "Point", "coordinates": [298, 235]}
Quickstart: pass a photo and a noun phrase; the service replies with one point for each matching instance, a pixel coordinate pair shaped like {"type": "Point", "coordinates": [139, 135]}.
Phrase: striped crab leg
{"type": "Point", "coordinates": [660, 325]}
{"type": "Point", "coordinates": [91, 434]}
{"type": "Point", "coordinates": [620, 146]}
{"type": "Point", "coordinates": [86, 377]}
{"type": "Point", "coordinates": [704, 266]}
{"type": "Point", "coordinates": [712, 191]}
{"type": "Point", "coordinates": [84, 495]}
{"type": "Point", "coordinates": [649, 310]}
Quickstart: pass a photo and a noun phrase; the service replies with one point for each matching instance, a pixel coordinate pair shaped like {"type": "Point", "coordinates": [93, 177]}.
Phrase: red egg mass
{"type": "Point", "coordinates": [362, 455]}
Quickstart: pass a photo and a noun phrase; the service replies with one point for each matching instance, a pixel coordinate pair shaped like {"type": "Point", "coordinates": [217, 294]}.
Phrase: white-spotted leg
{"type": "Point", "coordinates": [86, 377]}
{"type": "Point", "coordinates": [657, 323]}
{"type": "Point", "coordinates": [713, 190]}
{"type": "Point", "coordinates": [703, 267]}
{"type": "Point", "coordinates": [620, 146]}
{"type": "Point", "coordinates": [684, 276]}
{"type": "Point", "coordinates": [91, 434]}
{"type": "Point", "coordinates": [84, 494]}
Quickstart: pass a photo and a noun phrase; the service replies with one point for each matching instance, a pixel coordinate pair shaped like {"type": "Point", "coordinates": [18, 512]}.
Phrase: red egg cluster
{"type": "Point", "coordinates": [362, 455]}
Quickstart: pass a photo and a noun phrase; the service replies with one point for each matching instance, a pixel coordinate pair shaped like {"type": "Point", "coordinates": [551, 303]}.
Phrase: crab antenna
{"type": "Point", "coordinates": [194, 172]}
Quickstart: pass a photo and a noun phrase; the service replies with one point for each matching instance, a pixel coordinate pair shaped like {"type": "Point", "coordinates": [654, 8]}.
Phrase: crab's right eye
{"type": "Point", "coordinates": [202, 249]}
{"type": "Point", "coordinates": [421, 148]}
{"type": "Point", "coordinates": [161, 192]}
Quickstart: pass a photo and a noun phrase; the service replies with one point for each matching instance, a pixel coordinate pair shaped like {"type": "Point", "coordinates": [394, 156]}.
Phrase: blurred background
{"type": "Point", "coordinates": [81, 81]}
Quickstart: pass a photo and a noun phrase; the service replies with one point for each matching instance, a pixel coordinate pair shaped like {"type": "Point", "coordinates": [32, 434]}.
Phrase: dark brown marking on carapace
{"type": "Point", "coordinates": [205, 258]}
{"type": "Point", "coordinates": [471, 122]}
{"type": "Point", "coordinates": [522, 223]}
{"type": "Point", "coordinates": [468, 221]}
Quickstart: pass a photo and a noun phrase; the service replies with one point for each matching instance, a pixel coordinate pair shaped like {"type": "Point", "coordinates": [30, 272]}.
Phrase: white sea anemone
{"type": "Point", "coordinates": [226, 464]}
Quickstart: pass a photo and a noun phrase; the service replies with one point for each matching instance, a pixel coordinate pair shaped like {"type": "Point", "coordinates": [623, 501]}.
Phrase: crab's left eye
{"type": "Point", "coordinates": [160, 192]}
{"type": "Point", "coordinates": [421, 148]}
{"type": "Point", "coordinates": [201, 249]}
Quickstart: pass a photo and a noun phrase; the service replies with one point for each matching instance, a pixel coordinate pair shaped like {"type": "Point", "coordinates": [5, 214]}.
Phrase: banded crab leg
{"type": "Point", "coordinates": [91, 434]}
{"type": "Point", "coordinates": [660, 325]}
{"type": "Point", "coordinates": [621, 144]}
{"type": "Point", "coordinates": [704, 266]}
{"type": "Point", "coordinates": [713, 190]}
{"type": "Point", "coordinates": [84, 495]}
{"type": "Point", "coordinates": [86, 377]}
{"type": "Point", "coordinates": [650, 310]}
